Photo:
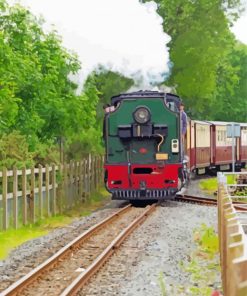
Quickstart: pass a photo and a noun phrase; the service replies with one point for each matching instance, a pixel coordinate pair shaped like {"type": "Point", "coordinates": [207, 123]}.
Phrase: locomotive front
{"type": "Point", "coordinates": [143, 148]}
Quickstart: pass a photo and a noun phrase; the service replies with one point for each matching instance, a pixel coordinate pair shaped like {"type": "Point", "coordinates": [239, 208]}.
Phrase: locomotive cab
{"type": "Point", "coordinates": [142, 136]}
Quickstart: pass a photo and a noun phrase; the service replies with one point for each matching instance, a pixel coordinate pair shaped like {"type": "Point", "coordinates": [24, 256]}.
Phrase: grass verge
{"type": "Point", "coordinates": [12, 238]}
{"type": "Point", "coordinates": [210, 185]}
{"type": "Point", "coordinates": [203, 266]}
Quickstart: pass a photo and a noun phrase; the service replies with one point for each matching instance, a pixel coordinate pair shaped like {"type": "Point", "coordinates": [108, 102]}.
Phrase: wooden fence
{"type": "Point", "coordinates": [233, 240]}
{"type": "Point", "coordinates": [31, 194]}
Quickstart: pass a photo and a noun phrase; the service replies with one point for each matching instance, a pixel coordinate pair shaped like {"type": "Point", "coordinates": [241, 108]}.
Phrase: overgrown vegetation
{"type": "Point", "coordinates": [210, 185]}
{"type": "Point", "coordinates": [12, 238]}
{"type": "Point", "coordinates": [204, 268]}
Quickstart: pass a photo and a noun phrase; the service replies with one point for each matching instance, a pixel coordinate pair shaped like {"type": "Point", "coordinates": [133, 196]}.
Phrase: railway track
{"type": "Point", "coordinates": [240, 206]}
{"type": "Point", "coordinates": [68, 270]}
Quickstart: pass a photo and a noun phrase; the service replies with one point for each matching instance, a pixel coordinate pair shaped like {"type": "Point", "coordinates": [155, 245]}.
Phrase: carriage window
{"type": "Point", "coordinates": [218, 135]}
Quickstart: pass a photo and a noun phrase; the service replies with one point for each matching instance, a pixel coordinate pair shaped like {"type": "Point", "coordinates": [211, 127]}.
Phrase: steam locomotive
{"type": "Point", "coordinates": [145, 157]}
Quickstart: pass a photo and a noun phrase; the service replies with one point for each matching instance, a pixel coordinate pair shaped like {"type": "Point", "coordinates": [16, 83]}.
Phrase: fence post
{"type": "Point", "coordinates": [54, 206]}
{"type": "Point", "coordinates": [102, 168]}
{"type": "Point", "coordinates": [5, 199]}
{"type": "Point", "coordinates": [96, 172]}
{"type": "Point", "coordinates": [60, 190]}
{"type": "Point", "coordinates": [80, 180]}
{"type": "Point", "coordinates": [99, 171]}
{"type": "Point", "coordinates": [40, 192]}
{"type": "Point", "coordinates": [15, 197]}
{"type": "Point", "coordinates": [47, 189]}
{"type": "Point", "coordinates": [71, 193]}
{"type": "Point", "coordinates": [76, 187]}
{"type": "Point", "coordinates": [85, 179]}
{"type": "Point", "coordinates": [65, 183]}
{"type": "Point", "coordinates": [32, 196]}
{"type": "Point", "coordinates": [88, 167]}
{"type": "Point", "coordinates": [92, 185]}
{"type": "Point", "coordinates": [24, 196]}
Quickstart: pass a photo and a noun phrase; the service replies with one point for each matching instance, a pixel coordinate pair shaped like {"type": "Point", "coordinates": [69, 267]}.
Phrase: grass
{"type": "Point", "coordinates": [204, 263]}
{"type": "Point", "coordinates": [210, 185]}
{"type": "Point", "coordinates": [12, 238]}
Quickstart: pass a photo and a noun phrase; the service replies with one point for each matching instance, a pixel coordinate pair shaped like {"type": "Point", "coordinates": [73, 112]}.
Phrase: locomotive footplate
{"type": "Point", "coordinates": [144, 194]}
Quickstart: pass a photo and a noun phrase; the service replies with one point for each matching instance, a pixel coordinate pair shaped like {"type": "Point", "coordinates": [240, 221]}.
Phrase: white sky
{"type": "Point", "coordinates": [123, 34]}
{"type": "Point", "coordinates": [240, 28]}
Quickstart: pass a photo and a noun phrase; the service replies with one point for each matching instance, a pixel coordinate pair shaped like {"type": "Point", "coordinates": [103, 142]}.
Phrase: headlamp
{"type": "Point", "coordinates": [142, 115]}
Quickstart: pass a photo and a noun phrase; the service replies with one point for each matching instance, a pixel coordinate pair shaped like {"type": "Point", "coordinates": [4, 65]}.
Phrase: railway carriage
{"type": "Point", "coordinates": [221, 147]}
{"type": "Point", "coordinates": [199, 149]}
{"type": "Point", "coordinates": [143, 146]}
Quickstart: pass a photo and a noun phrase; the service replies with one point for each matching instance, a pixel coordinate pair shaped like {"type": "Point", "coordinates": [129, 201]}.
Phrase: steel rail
{"type": "Point", "coordinates": [30, 277]}
{"type": "Point", "coordinates": [209, 201]}
{"type": "Point", "coordinates": [85, 276]}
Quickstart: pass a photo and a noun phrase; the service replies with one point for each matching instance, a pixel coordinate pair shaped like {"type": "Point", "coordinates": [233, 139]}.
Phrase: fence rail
{"type": "Point", "coordinates": [232, 237]}
{"type": "Point", "coordinates": [28, 195]}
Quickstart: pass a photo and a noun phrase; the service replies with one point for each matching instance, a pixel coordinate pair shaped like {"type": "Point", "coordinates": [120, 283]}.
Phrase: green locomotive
{"type": "Point", "coordinates": [142, 134]}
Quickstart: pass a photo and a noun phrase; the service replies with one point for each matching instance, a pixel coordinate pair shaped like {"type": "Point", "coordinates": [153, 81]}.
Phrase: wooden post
{"type": "Point", "coordinates": [5, 199]}
{"type": "Point", "coordinates": [77, 178]}
{"type": "Point", "coordinates": [54, 206]}
{"type": "Point", "coordinates": [15, 197]}
{"type": "Point", "coordinates": [95, 173]}
{"type": "Point", "coordinates": [40, 192]}
{"type": "Point", "coordinates": [32, 196]}
{"type": "Point", "coordinates": [60, 190]}
{"type": "Point", "coordinates": [92, 185]}
{"type": "Point", "coordinates": [80, 170]}
{"type": "Point", "coordinates": [47, 190]}
{"type": "Point", "coordinates": [98, 172]}
{"type": "Point", "coordinates": [65, 178]}
{"type": "Point", "coordinates": [102, 168]}
{"type": "Point", "coordinates": [89, 162]}
{"type": "Point", "coordinates": [71, 185]}
{"type": "Point", "coordinates": [85, 179]}
{"type": "Point", "coordinates": [24, 196]}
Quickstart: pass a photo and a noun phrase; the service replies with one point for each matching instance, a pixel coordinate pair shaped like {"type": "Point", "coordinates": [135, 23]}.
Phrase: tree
{"type": "Point", "coordinates": [37, 98]}
{"type": "Point", "coordinates": [200, 45]}
{"type": "Point", "coordinates": [232, 96]}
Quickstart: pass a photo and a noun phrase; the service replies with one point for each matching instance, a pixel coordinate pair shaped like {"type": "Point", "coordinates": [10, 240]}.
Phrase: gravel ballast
{"type": "Point", "coordinates": [154, 252]}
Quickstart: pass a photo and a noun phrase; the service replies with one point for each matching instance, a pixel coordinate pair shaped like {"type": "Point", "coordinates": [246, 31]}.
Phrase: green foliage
{"type": "Point", "coordinates": [209, 66]}
{"type": "Point", "coordinates": [14, 151]}
{"type": "Point", "coordinates": [210, 185]}
{"type": "Point", "coordinates": [13, 238]}
{"type": "Point", "coordinates": [203, 265]}
{"type": "Point", "coordinates": [232, 96]}
{"type": "Point", "coordinates": [37, 98]}
{"type": "Point", "coordinates": [207, 239]}
{"type": "Point", "coordinates": [197, 291]}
